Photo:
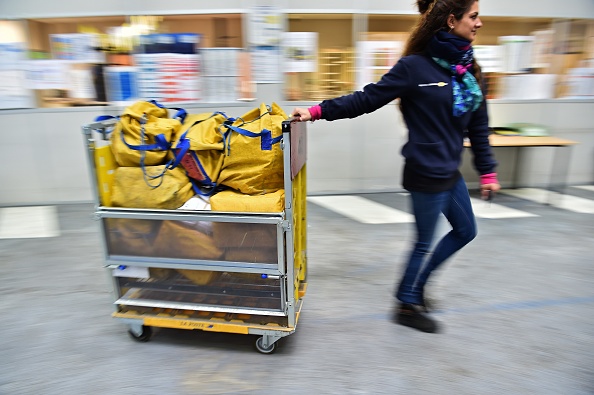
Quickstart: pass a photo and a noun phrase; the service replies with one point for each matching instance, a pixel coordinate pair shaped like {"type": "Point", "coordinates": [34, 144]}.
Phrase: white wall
{"type": "Point", "coordinates": [10, 9]}
{"type": "Point", "coordinates": [43, 156]}
{"type": "Point", "coordinates": [363, 154]}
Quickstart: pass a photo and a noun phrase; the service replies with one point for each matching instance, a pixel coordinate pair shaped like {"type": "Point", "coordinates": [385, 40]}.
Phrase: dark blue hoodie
{"type": "Point", "coordinates": [435, 136]}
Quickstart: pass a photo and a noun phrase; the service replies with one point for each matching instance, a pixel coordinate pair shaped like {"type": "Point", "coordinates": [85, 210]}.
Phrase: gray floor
{"type": "Point", "coordinates": [517, 305]}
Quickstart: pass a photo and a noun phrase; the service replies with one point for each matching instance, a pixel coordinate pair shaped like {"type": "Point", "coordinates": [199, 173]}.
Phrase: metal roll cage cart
{"type": "Point", "coordinates": [162, 270]}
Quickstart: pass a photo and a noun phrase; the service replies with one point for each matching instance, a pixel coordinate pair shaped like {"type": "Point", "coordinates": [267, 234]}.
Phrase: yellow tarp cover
{"type": "Point", "coordinates": [234, 201]}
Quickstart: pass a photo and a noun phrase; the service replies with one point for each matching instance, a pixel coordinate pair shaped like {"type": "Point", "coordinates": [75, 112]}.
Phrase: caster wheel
{"type": "Point", "coordinates": [144, 336]}
{"type": "Point", "coordinates": [265, 350]}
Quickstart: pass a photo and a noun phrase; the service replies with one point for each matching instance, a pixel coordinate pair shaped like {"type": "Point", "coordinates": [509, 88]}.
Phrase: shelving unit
{"type": "Point", "coordinates": [336, 75]}
{"type": "Point", "coordinates": [339, 33]}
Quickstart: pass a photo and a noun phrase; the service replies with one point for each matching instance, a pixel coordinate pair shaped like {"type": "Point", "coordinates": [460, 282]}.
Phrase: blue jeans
{"type": "Point", "coordinates": [455, 205]}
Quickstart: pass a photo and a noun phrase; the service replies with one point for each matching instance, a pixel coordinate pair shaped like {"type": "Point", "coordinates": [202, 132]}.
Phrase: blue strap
{"type": "Point", "coordinates": [266, 141]}
{"type": "Point", "coordinates": [156, 103]}
{"type": "Point", "coordinates": [181, 113]}
{"type": "Point", "coordinates": [105, 118]}
{"type": "Point", "coordinates": [202, 191]}
{"type": "Point", "coordinates": [161, 144]}
{"type": "Point", "coordinates": [276, 140]}
{"type": "Point", "coordinates": [183, 145]}
{"type": "Point", "coordinates": [105, 131]}
{"type": "Point", "coordinates": [223, 114]}
{"type": "Point", "coordinates": [243, 132]}
{"type": "Point", "coordinates": [208, 181]}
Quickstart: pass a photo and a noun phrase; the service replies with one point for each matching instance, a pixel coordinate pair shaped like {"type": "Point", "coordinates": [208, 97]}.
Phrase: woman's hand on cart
{"type": "Point", "coordinates": [488, 191]}
{"type": "Point", "coordinates": [301, 115]}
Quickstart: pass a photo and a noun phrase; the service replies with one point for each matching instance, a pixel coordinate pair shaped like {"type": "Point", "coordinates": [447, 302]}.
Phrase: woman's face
{"type": "Point", "coordinates": [467, 26]}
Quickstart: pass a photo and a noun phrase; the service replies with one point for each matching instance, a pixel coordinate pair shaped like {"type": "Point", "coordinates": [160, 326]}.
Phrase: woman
{"type": "Point", "coordinates": [438, 83]}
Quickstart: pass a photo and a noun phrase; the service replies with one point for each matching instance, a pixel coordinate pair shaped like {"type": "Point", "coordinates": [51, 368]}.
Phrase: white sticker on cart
{"type": "Point", "coordinates": [131, 271]}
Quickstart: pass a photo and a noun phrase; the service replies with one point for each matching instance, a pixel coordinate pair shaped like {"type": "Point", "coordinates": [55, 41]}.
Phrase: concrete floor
{"type": "Point", "coordinates": [517, 305]}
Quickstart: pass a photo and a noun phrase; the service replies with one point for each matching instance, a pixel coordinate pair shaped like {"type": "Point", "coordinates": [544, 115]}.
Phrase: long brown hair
{"type": "Point", "coordinates": [434, 17]}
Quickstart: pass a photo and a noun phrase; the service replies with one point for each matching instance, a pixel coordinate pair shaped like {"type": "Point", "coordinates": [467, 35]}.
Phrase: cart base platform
{"type": "Point", "coordinates": [270, 328]}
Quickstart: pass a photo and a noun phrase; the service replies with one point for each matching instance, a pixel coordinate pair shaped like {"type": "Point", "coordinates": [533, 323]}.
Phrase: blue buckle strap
{"type": "Point", "coordinates": [266, 140]}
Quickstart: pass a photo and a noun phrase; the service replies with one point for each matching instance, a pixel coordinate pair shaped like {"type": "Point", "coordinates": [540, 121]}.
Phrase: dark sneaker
{"type": "Point", "coordinates": [415, 317]}
{"type": "Point", "coordinates": [429, 305]}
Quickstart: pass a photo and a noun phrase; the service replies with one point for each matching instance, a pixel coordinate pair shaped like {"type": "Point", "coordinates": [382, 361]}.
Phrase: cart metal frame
{"type": "Point", "coordinates": [289, 273]}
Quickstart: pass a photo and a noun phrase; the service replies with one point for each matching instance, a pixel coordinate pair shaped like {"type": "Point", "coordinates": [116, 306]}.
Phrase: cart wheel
{"type": "Point", "coordinates": [144, 336]}
{"type": "Point", "coordinates": [264, 350]}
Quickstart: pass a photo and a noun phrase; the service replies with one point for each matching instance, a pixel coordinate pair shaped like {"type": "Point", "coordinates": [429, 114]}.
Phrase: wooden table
{"type": "Point", "coordinates": [498, 140]}
{"type": "Point", "coordinates": [519, 142]}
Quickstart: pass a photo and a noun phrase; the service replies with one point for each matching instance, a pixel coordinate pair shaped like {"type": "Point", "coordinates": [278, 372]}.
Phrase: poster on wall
{"type": "Point", "coordinates": [13, 90]}
{"type": "Point", "coordinates": [47, 74]}
{"type": "Point", "coordinates": [82, 85]}
{"type": "Point", "coordinates": [265, 29]}
{"type": "Point", "coordinates": [376, 58]}
{"type": "Point", "coordinates": [300, 50]}
{"type": "Point", "coordinates": [13, 93]}
{"type": "Point", "coordinates": [76, 47]}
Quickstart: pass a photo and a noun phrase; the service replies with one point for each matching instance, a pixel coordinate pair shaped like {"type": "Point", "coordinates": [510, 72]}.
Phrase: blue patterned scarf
{"type": "Point", "coordinates": [455, 54]}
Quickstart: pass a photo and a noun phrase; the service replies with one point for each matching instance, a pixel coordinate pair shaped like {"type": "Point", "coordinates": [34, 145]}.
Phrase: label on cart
{"type": "Point", "coordinates": [131, 271]}
{"type": "Point", "coordinates": [189, 324]}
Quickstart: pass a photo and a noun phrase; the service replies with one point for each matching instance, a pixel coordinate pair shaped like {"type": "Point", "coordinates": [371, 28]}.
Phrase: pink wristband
{"type": "Point", "coordinates": [490, 178]}
{"type": "Point", "coordinates": [316, 112]}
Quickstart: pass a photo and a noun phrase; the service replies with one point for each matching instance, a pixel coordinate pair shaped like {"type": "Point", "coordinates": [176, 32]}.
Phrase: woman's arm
{"type": "Point", "coordinates": [484, 161]}
{"type": "Point", "coordinates": [392, 85]}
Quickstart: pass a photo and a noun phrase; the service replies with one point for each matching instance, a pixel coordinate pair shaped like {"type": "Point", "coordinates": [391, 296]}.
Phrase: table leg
{"type": "Point", "coordinates": [559, 171]}
{"type": "Point", "coordinates": [516, 169]}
